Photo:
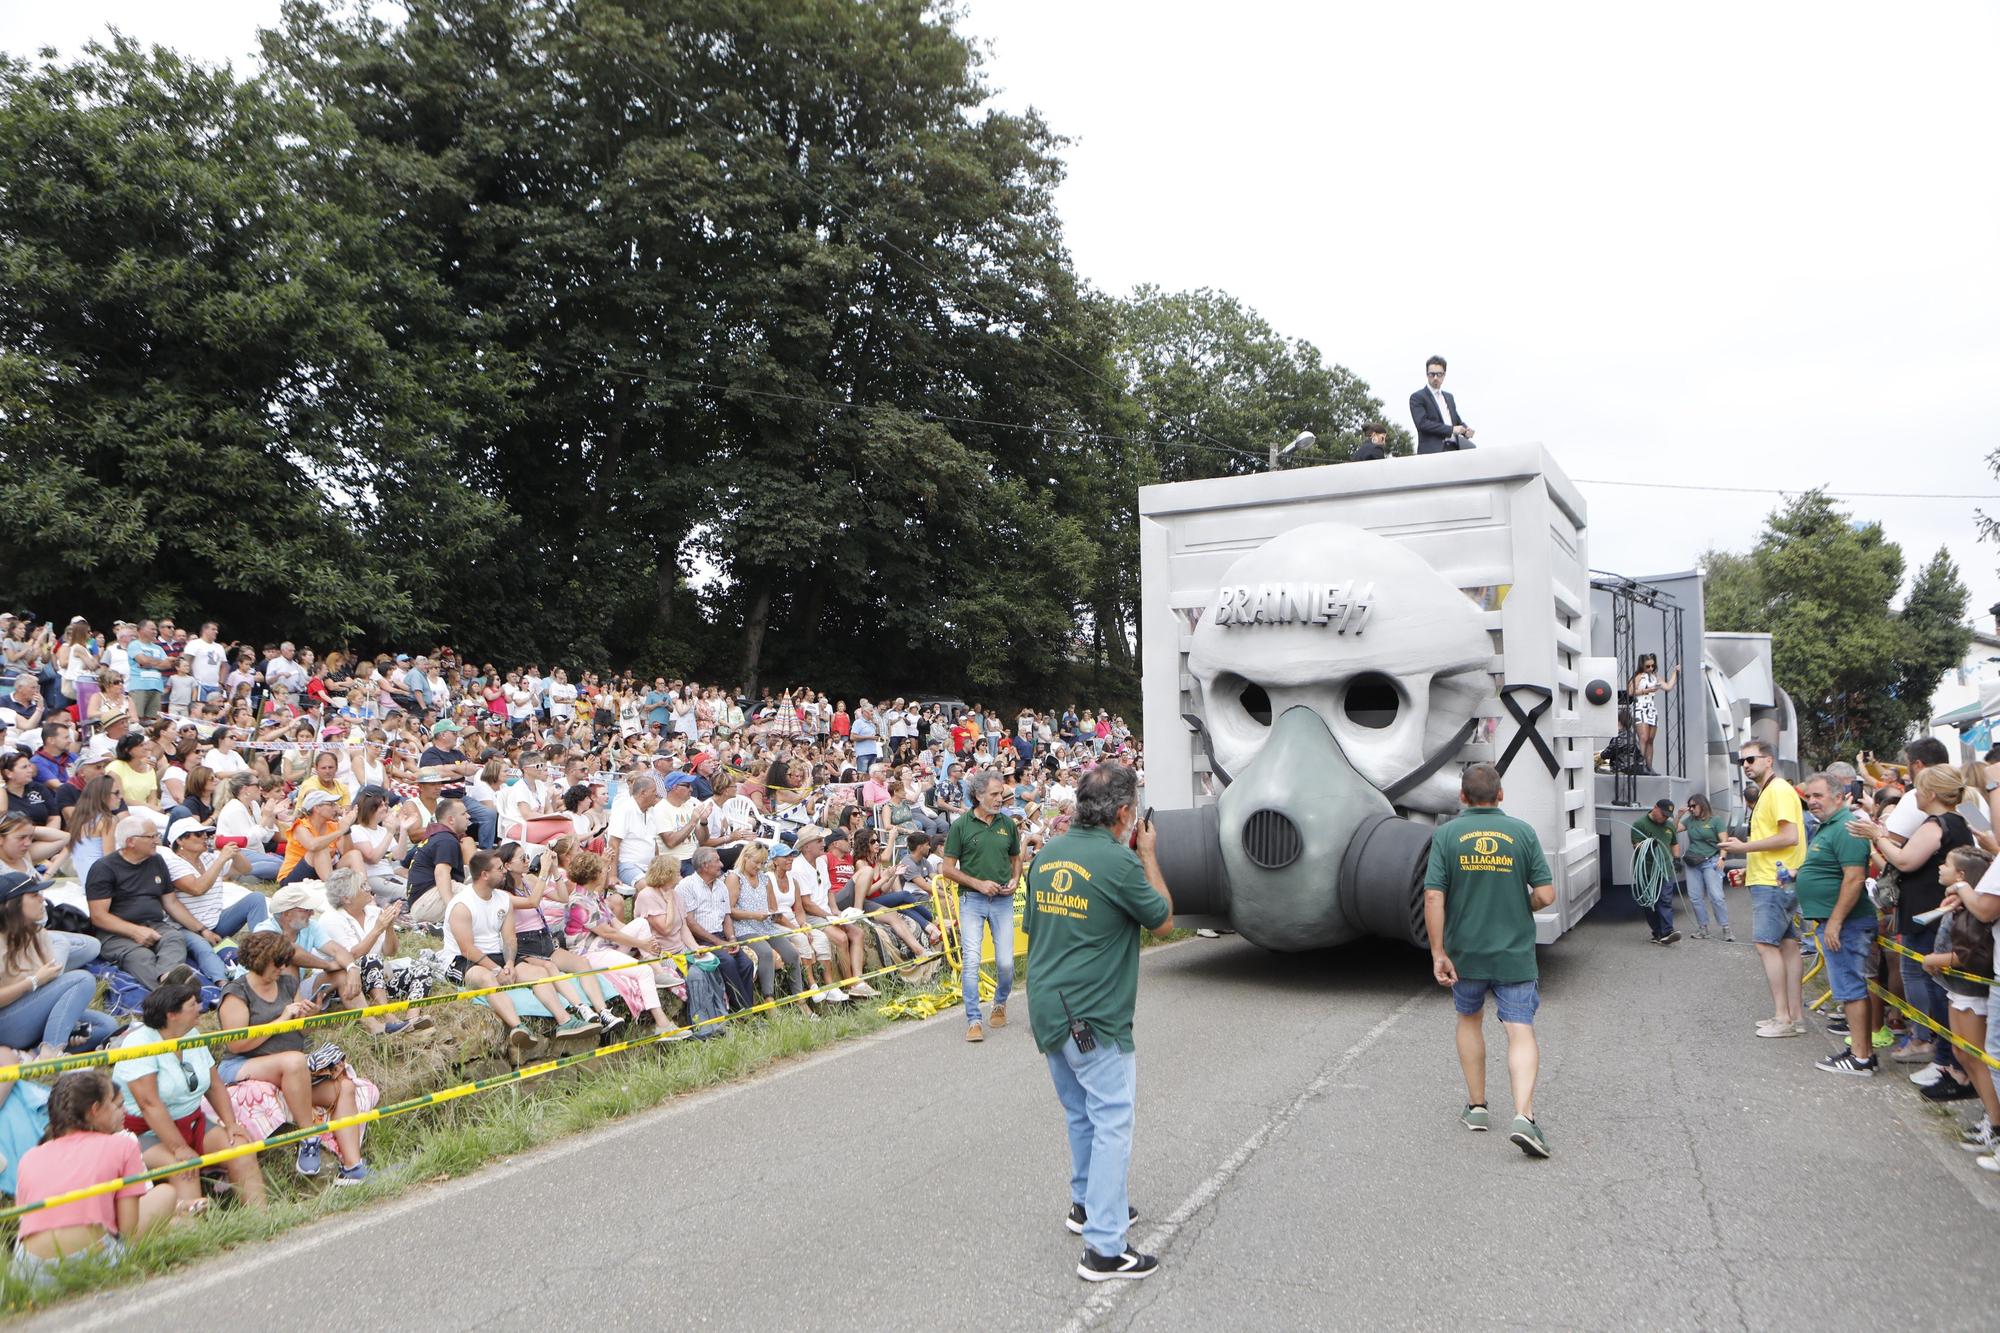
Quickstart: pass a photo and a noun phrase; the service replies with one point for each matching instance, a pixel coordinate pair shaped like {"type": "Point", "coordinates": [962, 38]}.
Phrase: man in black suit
{"type": "Point", "coordinates": [1440, 429]}
{"type": "Point", "coordinates": [1375, 446]}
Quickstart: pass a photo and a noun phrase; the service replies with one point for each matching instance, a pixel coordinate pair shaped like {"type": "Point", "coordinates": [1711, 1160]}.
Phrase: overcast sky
{"type": "Point", "coordinates": [1746, 245]}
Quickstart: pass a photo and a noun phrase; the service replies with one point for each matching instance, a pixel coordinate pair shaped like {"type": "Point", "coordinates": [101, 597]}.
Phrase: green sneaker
{"type": "Point", "coordinates": [1883, 1039]}
{"type": "Point", "coordinates": [1527, 1136]}
{"type": "Point", "coordinates": [1474, 1119]}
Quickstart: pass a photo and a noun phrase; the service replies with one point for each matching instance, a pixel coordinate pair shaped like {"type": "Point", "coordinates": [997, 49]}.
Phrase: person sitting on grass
{"type": "Point", "coordinates": [269, 991]}
{"type": "Point", "coordinates": [752, 899]}
{"type": "Point", "coordinates": [41, 1004]}
{"type": "Point", "coordinates": [602, 940]}
{"type": "Point", "coordinates": [176, 1106]}
{"type": "Point", "coordinates": [541, 904]}
{"type": "Point", "coordinates": [480, 951]}
{"type": "Point", "coordinates": [366, 933]}
{"type": "Point", "coordinates": [326, 967]}
{"type": "Point", "coordinates": [86, 1144]}
{"type": "Point", "coordinates": [877, 887]}
{"type": "Point", "coordinates": [197, 875]}
{"type": "Point", "coordinates": [816, 905]}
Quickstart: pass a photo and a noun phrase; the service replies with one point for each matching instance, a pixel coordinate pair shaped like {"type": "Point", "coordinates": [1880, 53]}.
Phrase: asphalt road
{"type": "Point", "coordinates": [1299, 1164]}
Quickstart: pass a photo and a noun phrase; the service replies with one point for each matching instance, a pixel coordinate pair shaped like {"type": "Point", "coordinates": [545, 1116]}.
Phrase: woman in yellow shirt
{"type": "Point", "coordinates": [134, 771]}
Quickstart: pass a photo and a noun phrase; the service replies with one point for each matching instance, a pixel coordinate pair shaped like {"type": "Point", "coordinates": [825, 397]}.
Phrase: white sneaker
{"type": "Point", "coordinates": [1928, 1075]}
{"type": "Point", "coordinates": [834, 996]}
{"type": "Point", "coordinates": [1987, 1163]}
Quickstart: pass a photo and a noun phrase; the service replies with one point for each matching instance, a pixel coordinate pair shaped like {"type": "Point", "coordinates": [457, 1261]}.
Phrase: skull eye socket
{"type": "Point", "coordinates": [1256, 703]}
{"type": "Point", "coordinates": [1372, 701]}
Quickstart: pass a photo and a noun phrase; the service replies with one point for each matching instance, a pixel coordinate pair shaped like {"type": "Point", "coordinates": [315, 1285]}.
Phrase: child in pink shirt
{"type": "Point", "coordinates": [86, 1144]}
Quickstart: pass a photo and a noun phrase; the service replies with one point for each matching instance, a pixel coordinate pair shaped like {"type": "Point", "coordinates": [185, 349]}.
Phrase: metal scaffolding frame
{"type": "Point", "coordinates": [1628, 598]}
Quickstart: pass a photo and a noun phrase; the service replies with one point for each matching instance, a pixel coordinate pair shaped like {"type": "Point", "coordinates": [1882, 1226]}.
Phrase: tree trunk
{"type": "Point", "coordinates": [1111, 624]}
{"type": "Point", "coordinates": [753, 635]}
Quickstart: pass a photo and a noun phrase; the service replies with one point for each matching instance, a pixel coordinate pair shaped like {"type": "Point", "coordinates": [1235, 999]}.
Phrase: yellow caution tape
{"type": "Point", "coordinates": [1916, 1015]}
{"type": "Point", "coordinates": [438, 1098]}
{"type": "Point", "coordinates": [1897, 946]}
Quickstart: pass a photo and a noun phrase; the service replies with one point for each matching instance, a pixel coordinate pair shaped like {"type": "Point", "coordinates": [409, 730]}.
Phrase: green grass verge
{"type": "Point", "coordinates": [458, 1138]}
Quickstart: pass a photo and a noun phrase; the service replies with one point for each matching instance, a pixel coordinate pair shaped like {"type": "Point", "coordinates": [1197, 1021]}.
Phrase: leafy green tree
{"type": "Point", "coordinates": [1218, 386]}
{"type": "Point", "coordinates": [220, 391]}
{"type": "Point", "coordinates": [1860, 673]}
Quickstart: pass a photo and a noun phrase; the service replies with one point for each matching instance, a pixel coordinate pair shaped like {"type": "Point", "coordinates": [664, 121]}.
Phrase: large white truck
{"type": "Point", "coordinates": [1325, 649]}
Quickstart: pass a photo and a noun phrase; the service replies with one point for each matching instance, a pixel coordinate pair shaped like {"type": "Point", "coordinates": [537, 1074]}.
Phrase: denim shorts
{"type": "Point", "coordinates": [1771, 911]}
{"type": "Point", "coordinates": [1514, 1001]}
{"type": "Point", "coordinates": [1848, 967]}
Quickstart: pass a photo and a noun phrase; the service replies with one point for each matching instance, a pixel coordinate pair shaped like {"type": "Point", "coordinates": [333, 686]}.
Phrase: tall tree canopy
{"type": "Point", "coordinates": [1860, 672]}
{"type": "Point", "coordinates": [720, 336]}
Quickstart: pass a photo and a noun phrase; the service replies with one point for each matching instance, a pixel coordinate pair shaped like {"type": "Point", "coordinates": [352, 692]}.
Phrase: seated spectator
{"type": "Point", "coordinates": [86, 1144]}
{"type": "Point", "coordinates": [268, 992]}
{"type": "Point", "coordinates": [366, 933]}
{"type": "Point", "coordinates": [376, 846]}
{"type": "Point", "coordinates": [753, 898]}
{"type": "Point", "coordinates": [24, 794]}
{"type": "Point", "coordinates": [26, 845]}
{"type": "Point", "coordinates": [220, 908]}
{"type": "Point", "coordinates": [316, 840]}
{"type": "Point", "coordinates": [247, 822]}
{"type": "Point", "coordinates": [437, 868]}
{"type": "Point", "coordinates": [875, 888]}
{"type": "Point", "coordinates": [326, 969]}
{"type": "Point", "coordinates": [541, 905]}
{"type": "Point", "coordinates": [704, 904]}
{"type": "Point", "coordinates": [176, 1106]}
{"type": "Point", "coordinates": [325, 778]}
{"type": "Point", "coordinates": [480, 951]}
{"type": "Point", "coordinates": [603, 941]}
{"type": "Point", "coordinates": [42, 1006]}
{"type": "Point", "coordinates": [142, 928]}
{"type": "Point", "coordinates": [818, 910]}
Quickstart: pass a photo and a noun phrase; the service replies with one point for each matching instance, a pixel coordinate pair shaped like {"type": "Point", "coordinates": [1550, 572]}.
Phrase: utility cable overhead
{"type": "Point", "coordinates": [1788, 490]}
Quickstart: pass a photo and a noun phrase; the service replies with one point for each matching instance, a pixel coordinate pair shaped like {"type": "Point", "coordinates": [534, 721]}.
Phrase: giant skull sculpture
{"type": "Point", "coordinates": [1392, 658]}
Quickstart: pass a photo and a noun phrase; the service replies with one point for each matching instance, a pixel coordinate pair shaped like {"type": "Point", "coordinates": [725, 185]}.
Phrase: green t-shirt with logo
{"type": "Point", "coordinates": [983, 850]}
{"type": "Point", "coordinates": [1645, 826]}
{"type": "Point", "coordinates": [1088, 900]}
{"type": "Point", "coordinates": [1704, 835]}
{"type": "Point", "coordinates": [1832, 850]}
{"type": "Point", "coordinates": [1485, 862]}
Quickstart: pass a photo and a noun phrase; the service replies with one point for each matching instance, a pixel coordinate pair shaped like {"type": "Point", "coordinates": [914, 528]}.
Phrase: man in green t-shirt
{"type": "Point", "coordinates": [1486, 877]}
{"type": "Point", "coordinates": [1830, 885]}
{"type": "Point", "coordinates": [982, 855]}
{"type": "Point", "coordinates": [1089, 897]}
{"type": "Point", "coordinates": [1657, 826]}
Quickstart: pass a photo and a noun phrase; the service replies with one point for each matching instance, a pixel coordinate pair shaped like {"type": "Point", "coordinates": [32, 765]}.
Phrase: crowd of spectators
{"type": "Point", "coordinates": [192, 825]}
{"type": "Point", "coordinates": [1878, 880]}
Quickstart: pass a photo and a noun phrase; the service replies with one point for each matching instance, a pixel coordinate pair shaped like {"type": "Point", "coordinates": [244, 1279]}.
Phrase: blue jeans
{"type": "Point", "coordinates": [1097, 1091]}
{"type": "Point", "coordinates": [1660, 916]}
{"type": "Point", "coordinates": [49, 1013]}
{"type": "Point", "coordinates": [979, 915]}
{"type": "Point", "coordinates": [919, 905]}
{"type": "Point", "coordinates": [250, 912]}
{"type": "Point", "coordinates": [485, 823]}
{"type": "Point", "coordinates": [1705, 888]}
{"type": "Point", "coordinates": [77, 951]}
{"type": "Point", "coordinates": [1924, 991]}
{"type": "Point", "coordinates": [265, 865]}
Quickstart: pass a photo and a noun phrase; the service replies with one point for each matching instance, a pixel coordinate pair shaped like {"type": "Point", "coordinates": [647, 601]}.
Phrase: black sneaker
{"type": "Point", "coordinates": [1095, 1267]}
{"type": "Point", "coordinates": [1837, 1024]}
{"type": "Point", "coordinates": [1845, 1063]}
{"type": "Point", "coordinates": [1948, 1089]}
{"type": "Point", "coordinates": [1077, 1217]}
{"type": "Point", "coordinates": [1671, 937]}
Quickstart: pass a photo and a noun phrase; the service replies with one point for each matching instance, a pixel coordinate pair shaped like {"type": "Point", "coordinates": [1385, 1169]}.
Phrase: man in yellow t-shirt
{"type": "Point", "coordinates": [1777, 835]}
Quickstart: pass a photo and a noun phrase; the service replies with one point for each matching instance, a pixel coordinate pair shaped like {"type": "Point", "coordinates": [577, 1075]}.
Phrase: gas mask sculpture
{"type": "Point", "coordinates": [1339, 676]}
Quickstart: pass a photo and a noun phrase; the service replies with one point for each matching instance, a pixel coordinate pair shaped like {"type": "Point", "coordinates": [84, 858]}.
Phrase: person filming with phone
{"type": "Point", "coordinates": [1089, 897]}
